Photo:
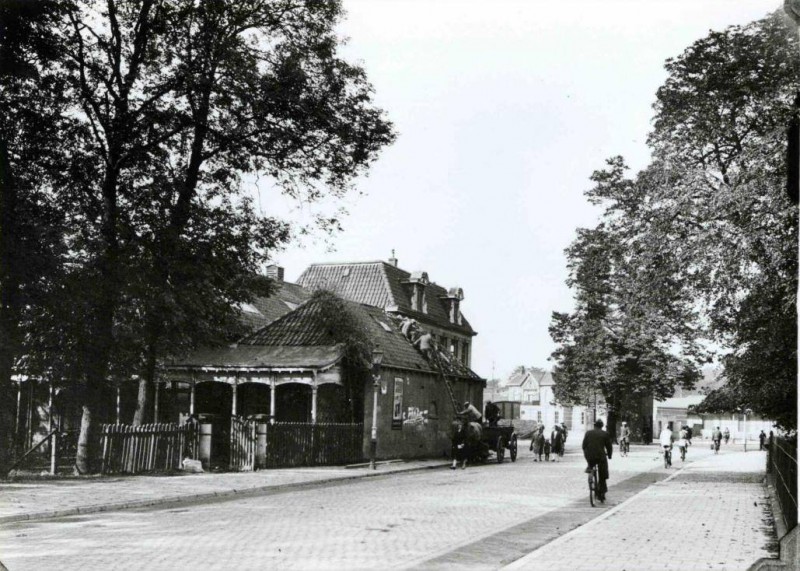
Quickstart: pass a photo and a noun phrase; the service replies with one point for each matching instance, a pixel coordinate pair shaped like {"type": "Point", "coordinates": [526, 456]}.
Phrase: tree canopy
{"type": "Point", "coordinates": [170, 105]}
{"type": "Point", "coordinates": [702, 243]}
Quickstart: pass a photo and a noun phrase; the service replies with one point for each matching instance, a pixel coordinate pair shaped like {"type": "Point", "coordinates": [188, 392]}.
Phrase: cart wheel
{"type": "Point", "coordinates": [513, 448]}
{"type": "Point", "coordinates": [501, 449]}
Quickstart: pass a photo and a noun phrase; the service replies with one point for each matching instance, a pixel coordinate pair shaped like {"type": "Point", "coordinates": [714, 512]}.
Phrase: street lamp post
{"type": "Point", "coordinates": [377, 359]}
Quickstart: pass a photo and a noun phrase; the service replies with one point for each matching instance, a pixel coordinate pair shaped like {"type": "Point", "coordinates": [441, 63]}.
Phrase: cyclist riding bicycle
{"type": "Point", "coordinates": [665, 438]}
{"type": "Point", "coordinates": [726, 435]}
{"type": "Point", "coordinates": [597, 446]}
{"type": "Point", "coordinates": [683, 442]}
{"type": "Point", "coordinates": [625, 438]}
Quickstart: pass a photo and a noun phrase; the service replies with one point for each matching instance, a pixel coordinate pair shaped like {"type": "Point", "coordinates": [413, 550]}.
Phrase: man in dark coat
{"type": "Point", "coordinates": [491, 413]}
{"type": "Point", "coordinates": [597, 446]}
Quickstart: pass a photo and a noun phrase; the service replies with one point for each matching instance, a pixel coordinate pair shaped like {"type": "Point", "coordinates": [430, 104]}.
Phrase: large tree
{"type": "Point", "coordinates": [707, 228]}
{"type": "Point", "coordinates": [176, 101]}
{"type": "Point", "coordinates": [613, 345]}
{"type": "Point", "coordinates": [33, 133]}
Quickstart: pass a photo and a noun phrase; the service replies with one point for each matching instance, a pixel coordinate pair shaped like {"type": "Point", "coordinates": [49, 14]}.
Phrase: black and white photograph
{"type": "Point", "coordinates": [399, 284]}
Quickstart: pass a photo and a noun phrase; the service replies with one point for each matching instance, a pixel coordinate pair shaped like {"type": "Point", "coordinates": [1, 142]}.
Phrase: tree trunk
{"type": "Point", "coordinates": [144, 399]}
{"type": "Point", "coordinates": [9, 305]}
{"type": "Point", "coordinates": [100, 334]}
{"type": "Point", "coordinates": [612, 418]}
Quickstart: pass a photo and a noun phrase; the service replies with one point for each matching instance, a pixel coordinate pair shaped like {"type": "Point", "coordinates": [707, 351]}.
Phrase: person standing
{"type": "Point", "coordinates": [491, 412]}
{"type": "Point", "coordinates": [597, 450]}
{"type": "Point", "coordinates": [761, 440]}
{"type": "Point", "coordinates": [624, 438]}
{"type": "Point", "coordinates": [716, 438]}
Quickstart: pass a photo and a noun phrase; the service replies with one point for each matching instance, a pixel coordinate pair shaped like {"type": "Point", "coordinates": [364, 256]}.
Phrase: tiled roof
{"type": "Point", "coordinates": [264, 310]}
{"type": "Point", "coordinates": [517, 378]}
{"type": "Point", "coordinates": [302, 328]}
{"type": "Point", "coordinates": [380, 284]}
{"type": "Point", "coordinates": [547, 380]}
{"type": "Point", "coordinates": [260, 356]}
{"type": "Point", "coordinates": [681, 402]}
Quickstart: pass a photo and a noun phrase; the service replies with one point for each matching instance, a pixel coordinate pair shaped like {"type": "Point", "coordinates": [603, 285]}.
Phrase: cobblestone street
{"type": "Point", "coordinates": [435, 519]}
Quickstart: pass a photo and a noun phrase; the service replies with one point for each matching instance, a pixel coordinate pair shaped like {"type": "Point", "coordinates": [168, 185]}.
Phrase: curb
{"type": "Point", "coordinates": [204, 497]}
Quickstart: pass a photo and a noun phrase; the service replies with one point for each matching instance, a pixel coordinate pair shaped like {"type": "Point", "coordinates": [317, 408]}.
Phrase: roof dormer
{"type": "Point", "coordinates": [453, 299]}
{"type": "Point", "coordinates": [419, 281]}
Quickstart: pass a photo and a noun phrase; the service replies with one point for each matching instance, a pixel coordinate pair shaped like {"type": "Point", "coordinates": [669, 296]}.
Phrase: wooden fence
{"type": "Point", "coordinates": [304, 444]}
{"type": "Point", "coordinates": [243, 444]}
{"type": "Point", "coordinates": [161, 447]}
{"type": "Point", "coordinates": [782, 467]}
{"type": "Point", "coordinates": [146, 448]}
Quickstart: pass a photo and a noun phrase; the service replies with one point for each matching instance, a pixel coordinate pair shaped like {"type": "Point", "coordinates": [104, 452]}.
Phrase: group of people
{"type": "Point", "coordinates": [543, 446]}
{"type": "Point", "coordinates": [419, 337]}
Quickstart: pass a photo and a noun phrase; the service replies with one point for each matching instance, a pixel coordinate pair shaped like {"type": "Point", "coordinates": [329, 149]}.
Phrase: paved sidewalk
{"type": "Point", "coordinates": [25, 500]}
{"type": "Point", "coordinates": [713, 514]}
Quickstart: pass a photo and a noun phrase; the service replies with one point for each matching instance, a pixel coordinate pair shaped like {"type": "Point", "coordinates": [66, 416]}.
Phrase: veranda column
{"type": "Point", "coordinates": [233, 397]}
{"type": "Point", "coordinates": [118, 402]}
{"type": "Point", "coordinates": [314, 403]}
{"type": "Point", "coordinates": [19, 412]}
{"type": "Point", "coordinates": [155, 401]}
{"type": "Point", "coordinates": [191, 397]}
{"type": "Point", "coordinates": [50, 410]}
{"type": "Point", "coordinates": [272, 386]}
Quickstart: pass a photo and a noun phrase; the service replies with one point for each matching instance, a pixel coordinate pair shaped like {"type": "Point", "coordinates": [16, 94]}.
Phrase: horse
{"type": "Point", "coordinates": [466, 439]}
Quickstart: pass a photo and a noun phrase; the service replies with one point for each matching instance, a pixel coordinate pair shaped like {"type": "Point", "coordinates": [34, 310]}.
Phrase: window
{"type": "Point", "coordinates": [583, 418]}
{"type": "Point", "coordinates": [539, 416]}
{"type": "Point", "coordinates": [556, 417]}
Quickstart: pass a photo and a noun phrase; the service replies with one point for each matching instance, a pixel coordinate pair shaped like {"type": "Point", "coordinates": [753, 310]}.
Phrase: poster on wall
{"type": "Point", "coordinates": [397, 407]}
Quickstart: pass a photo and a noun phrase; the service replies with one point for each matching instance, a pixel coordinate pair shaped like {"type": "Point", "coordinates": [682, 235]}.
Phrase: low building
{"type": "Point", "coordinates": [294, 370]}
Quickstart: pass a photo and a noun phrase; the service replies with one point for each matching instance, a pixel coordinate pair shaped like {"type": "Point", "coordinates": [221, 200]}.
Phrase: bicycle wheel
{"type": "Point", "coordinates": [592, 487]}
{"type": "Point", "coordinates": [666, 459]}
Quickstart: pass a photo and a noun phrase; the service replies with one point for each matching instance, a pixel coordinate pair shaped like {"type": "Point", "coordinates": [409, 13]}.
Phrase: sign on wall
{"type": "Point", "coordinates": [397, 406]}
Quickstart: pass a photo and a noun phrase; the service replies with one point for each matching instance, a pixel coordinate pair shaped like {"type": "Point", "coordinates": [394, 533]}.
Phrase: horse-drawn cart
{"type": "Point", "coordinates": [499, 439]}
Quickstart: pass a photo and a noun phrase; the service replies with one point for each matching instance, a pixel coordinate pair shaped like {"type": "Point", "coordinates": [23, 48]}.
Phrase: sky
{"type": "Point", "coordinates": [503, 110]}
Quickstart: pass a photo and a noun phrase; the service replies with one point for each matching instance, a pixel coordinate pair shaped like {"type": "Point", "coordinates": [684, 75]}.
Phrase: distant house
{"type": "Point", "coordinates": [533, 389]}
{"type": "Point", "coordinates": [401, 293]}
{"type": "Point", "coordinates": [677, 412]}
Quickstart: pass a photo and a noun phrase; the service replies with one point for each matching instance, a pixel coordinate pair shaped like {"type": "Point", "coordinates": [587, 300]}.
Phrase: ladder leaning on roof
{"type": "Point", "coordinates": [437, 363]}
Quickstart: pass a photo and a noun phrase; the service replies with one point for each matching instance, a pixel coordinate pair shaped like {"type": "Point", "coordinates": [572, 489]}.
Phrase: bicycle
{"type": "Point", "coordinates": [667, 457]}
{"type": "Point", "coordinates": [716, 447]}
{"type": "Point", "coordinates": [624, 447]}
{"type": "Point", "coordinates": [593, 485]}
{"type": "Point", "coordinates": [683, 453]}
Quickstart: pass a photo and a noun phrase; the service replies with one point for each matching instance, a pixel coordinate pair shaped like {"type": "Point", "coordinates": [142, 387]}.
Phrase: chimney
{"type": "Point", "coordinates": [275, 272]}
{"type": "Point", "coordinates": [393, 260]}
{"type": "Point", "coordinates": [418, 281]}
{"type": "Point", "coordinates": [454, 297]}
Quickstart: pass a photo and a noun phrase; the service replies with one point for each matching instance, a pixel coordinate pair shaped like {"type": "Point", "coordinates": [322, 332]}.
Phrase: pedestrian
{"type": "Point", "coordinates": [761, 438]}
